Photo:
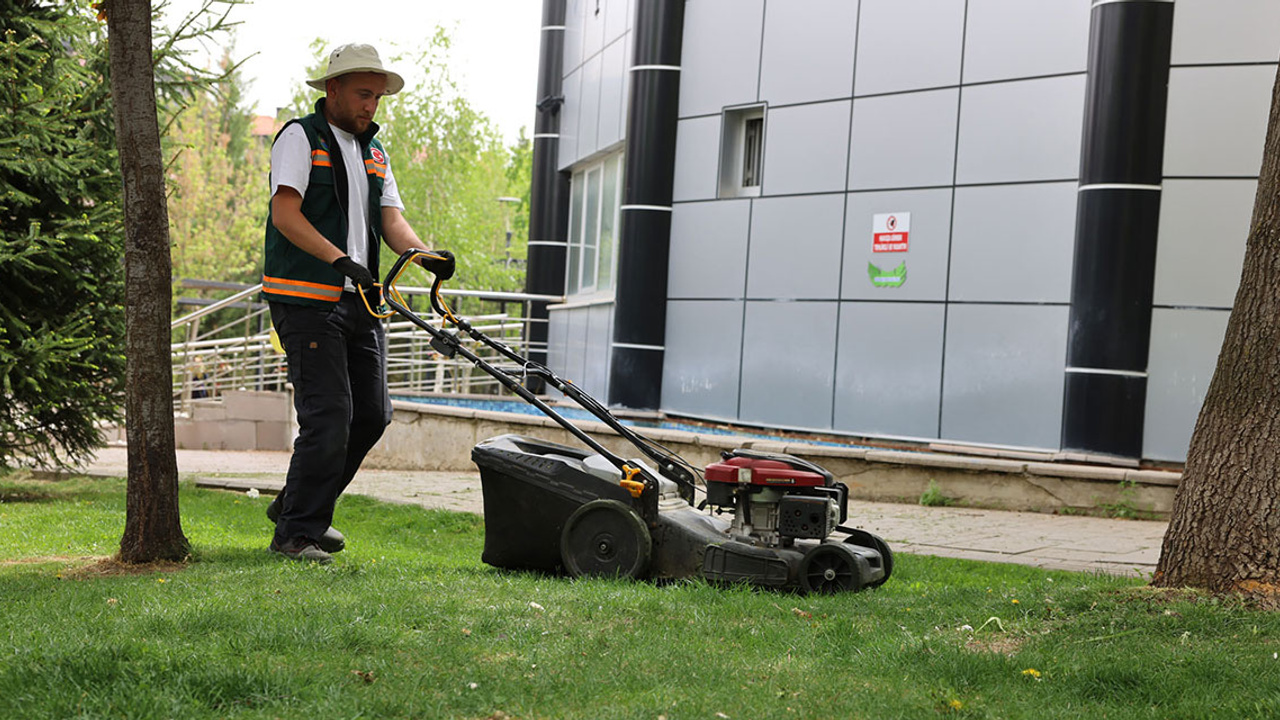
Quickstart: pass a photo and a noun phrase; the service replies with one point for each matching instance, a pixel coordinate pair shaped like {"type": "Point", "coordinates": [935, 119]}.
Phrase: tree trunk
{"type": "Point", "coordinates": [153, 530]}
{"type": "Point", "coordinates": [1222, 536]}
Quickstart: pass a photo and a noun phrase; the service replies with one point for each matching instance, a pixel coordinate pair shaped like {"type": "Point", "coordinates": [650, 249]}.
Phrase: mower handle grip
{"type": "Point", "coordinates": [436, 305]}
{"type": "Point", "coordinates": [407, 256]}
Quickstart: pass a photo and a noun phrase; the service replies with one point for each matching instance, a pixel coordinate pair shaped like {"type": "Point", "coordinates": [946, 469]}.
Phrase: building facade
{"type": "Point", "coordinates": [988, 221]}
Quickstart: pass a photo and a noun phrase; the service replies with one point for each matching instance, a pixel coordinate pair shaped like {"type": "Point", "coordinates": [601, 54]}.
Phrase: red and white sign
{"type": "Point", "coordinates": [889, 232]}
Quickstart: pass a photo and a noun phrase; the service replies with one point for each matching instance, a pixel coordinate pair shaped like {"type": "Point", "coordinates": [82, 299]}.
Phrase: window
{"type": "Point", "coordinates": [593, 224]}
{"type": "Point", "coordinates": [752, 146]}
{"type": "Point", "coordinates": [742, 151]}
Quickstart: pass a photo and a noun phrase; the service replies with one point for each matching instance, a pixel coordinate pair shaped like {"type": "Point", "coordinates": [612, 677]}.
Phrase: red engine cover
{"type": "Point", "coordinates": [763, 472]}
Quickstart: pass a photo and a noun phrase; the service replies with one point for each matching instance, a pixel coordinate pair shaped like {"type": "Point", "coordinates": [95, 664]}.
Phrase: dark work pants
{"type": "Point", "coordinates": [338, 367]}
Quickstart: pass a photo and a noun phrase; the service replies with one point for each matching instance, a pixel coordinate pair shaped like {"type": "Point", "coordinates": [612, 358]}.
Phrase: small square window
{"type": "Point", "coordinates": [742, 151]}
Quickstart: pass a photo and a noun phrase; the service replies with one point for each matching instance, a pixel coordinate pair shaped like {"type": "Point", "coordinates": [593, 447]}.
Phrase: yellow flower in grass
{"type": "Point", "coordinates": [955, 705]}
{"type": "Point", "coordinates": [1032, 672]}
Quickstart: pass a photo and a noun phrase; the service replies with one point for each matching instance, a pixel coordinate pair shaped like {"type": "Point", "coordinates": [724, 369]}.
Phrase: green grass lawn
{"type": "Point", "coordinates": [409, 623]}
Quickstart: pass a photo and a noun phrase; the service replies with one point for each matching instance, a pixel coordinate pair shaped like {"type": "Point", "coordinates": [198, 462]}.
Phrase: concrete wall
{"type": "Point", "coordinates": [238, 420]}
{"type": "Point", "coordinates": [440, 438]}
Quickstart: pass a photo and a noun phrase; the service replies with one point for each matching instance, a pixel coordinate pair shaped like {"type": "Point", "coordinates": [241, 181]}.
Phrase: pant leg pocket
{"type": "Point", "coordinates": [316, 350]}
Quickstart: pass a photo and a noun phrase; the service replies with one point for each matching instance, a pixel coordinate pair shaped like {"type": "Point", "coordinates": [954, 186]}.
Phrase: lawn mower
{"type": "Point", "coordinates": [766, 519]}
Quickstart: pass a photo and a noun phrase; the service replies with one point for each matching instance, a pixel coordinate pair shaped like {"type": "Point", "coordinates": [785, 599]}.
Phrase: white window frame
{"type": "Point", "coordinates": [582, 227]}
{"type": "Point", "coordinates": [734, 150]}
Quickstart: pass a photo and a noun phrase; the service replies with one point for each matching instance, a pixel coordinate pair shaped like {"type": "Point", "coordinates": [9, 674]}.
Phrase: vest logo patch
{"type": "Point", "coordinates": [378, 157]}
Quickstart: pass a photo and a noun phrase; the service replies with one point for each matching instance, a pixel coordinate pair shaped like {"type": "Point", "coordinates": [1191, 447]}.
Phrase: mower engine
{"type": "Point", "coordinates": [774, 498]}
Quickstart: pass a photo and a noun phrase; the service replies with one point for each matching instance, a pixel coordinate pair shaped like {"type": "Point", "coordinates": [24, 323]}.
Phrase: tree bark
{"type": "Point", "coordinates": [1223, 533]}
{"type": "Point", "coordinates": [153, 530]}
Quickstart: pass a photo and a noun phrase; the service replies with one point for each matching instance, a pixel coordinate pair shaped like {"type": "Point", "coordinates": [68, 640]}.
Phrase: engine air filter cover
{"type": "Point", "coordinates": [763, 471]}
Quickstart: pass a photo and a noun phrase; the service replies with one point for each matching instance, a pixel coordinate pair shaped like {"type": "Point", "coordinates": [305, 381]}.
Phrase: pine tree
{"type": "Point", "coordinates": [61, 281]}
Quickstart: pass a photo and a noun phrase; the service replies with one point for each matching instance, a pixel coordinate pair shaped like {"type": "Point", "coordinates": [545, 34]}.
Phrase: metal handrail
{"type": "Point", "coordinates": [238, 353]}
{"type": "Point", "coordinates": [209, 309]}
{"type": "Point", "coordinates": [495, 295]}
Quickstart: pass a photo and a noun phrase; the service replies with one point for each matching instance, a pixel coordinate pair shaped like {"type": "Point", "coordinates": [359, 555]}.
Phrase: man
{"type": "Point", "coordinates": [333, 201]}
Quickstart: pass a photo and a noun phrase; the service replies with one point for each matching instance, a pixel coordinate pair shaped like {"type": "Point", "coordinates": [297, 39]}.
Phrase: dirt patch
{"type": "Point", "coordinates": [1163, 596]}
{"type": "Point", "coordinates": [43, 560]}
{"type": "Point", "coordinates": [1002, 644]}
{"type": "Point", "coordinates": [23, 487]}
{"type": "Point", "coordinates": [24, 496]}
{"type": "Point", "coordinates": [113, 567]}
{"type": "Point", "coordinates": [1248, 594]}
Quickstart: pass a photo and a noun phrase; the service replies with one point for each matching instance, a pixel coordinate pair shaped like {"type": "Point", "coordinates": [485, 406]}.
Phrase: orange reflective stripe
{"type": "Point", "coordinates": [301, 288]}
{"type": "Point", "coordinates": [299, 293]}
{"type": "Point", "coordinates": [320, 158]}
{"type": "Point", "coordinates": [267, 279]}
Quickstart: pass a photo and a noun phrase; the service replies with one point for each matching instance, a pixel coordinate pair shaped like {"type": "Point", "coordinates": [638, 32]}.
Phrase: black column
{"type": "Point", "coordinates": [549, 191]}
{"type": "Point", "coordinates": [1121, 170]}
{"type": "Point", "coordinates": [640, 310]}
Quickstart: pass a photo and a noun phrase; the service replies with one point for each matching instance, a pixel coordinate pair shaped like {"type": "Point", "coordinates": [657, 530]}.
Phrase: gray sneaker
{"type": "Point", "coordinates": [302, 548]}
{"type": "Point", "coordinates": [332, 541]}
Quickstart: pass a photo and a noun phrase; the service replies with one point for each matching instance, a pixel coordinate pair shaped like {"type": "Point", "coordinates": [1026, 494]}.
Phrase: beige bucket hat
{"type": "Point", "coordinates": [357, 57]}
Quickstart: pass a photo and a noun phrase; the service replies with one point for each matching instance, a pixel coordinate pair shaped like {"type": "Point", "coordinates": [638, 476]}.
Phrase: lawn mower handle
{"type": "Point", "coordinates": [672, 470]}
{"type": "Point", "coordinates": [409, 255]}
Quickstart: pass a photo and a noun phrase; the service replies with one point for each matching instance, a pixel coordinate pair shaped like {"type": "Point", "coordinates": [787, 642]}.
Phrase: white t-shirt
{"type": "Point", "coordinates": [291, 166]}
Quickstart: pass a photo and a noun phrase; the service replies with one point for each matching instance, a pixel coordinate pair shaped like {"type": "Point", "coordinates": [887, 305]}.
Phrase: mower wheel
{"type": "Point", "coordinates": [877, 543]}
{"type": "Point", "coordinates": [605, 538]}
{"type": "Point", "coordinates": [830, 568]}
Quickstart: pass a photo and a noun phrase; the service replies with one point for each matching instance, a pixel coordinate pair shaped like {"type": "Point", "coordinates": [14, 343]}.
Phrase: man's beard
{"type": "Point", "coordinates": [350, 123]}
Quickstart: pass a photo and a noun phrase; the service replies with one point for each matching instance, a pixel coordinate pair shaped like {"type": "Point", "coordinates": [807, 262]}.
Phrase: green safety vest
{"type": "Point", "coordinates": [289, 273]}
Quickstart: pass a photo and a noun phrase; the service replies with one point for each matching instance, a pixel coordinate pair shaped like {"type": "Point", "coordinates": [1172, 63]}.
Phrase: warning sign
{"type": "Point", "coordinates": [890, 232]}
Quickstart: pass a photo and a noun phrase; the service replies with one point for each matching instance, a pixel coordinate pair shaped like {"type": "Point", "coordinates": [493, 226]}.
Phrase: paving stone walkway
{"type": "Point", "coordinates": [1064, 542]}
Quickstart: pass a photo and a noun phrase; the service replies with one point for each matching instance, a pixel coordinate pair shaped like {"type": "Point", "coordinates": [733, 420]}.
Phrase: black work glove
{"type": "Point", "coordinates": [443, 268]}
{"type": "Point", "coordinates": [359, 274]}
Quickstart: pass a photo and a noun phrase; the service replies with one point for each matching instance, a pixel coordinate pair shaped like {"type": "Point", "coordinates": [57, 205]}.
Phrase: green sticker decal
{"type": "Point", "coordinates": [892, 278]}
